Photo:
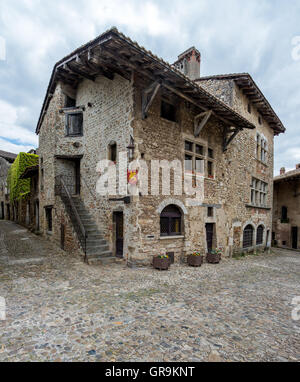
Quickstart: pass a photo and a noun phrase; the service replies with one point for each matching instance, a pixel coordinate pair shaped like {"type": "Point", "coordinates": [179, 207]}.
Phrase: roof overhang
{"type": "Point", "coordinates": [112, 52]}
{"type": "Point", "coordinates": [248, 86]}
{"type": "Point", "coordinates": [30, 172]}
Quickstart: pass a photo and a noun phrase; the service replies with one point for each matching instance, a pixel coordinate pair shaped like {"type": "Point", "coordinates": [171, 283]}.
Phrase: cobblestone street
{"type": "Point", "coordinates": [59, 309]}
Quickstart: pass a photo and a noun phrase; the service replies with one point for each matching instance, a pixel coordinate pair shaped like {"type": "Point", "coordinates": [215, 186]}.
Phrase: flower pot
{"type": "Point", "coordinates": [213, 258]}
{"type": "Point", "coordinates": [161, 264]}
{"type": "Point", "coordinates": [195, 261]}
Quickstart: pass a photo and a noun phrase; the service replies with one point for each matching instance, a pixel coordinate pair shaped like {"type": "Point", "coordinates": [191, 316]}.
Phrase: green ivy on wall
{"type": "Point", "coordinates": [19, 188]}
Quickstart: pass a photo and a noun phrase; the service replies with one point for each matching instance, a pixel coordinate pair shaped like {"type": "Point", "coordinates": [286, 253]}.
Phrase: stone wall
{"type": "Point", "coordinates": [113, 114]}
{"type": "Point", "coordinates": [286, 194]}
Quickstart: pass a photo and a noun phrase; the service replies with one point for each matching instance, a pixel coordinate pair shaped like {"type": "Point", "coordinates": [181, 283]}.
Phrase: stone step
{"type": "Point", "coordinates": [96, 240]}
{"type": "Point", "coordinates": [91, 249]}
{"type": "Point", "coordinates": [99, 238]}
{"type": "Point", "coordinates": [102, 261]}
{"type": "Point", "coordinates": [99, 255]}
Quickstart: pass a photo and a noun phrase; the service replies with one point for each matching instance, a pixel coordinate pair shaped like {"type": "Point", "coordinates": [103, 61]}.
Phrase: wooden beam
{"type": "Point", "coordinates": [148, 97]}
{"type": "Point", "coordinates": [229, 135]}
{"type": "Point", "coordinates": [198, 127]}
{"type": "Point", "coordinates": [80, 73]}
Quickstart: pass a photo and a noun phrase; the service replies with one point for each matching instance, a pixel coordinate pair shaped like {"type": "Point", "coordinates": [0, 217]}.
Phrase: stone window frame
{"type": "Point", "coordinates": [205, 157]}
{"type": "Point", "coordinates": [261, 148]}
{"type": "Point", "coordinates": [246, 241]}
{"type": "Point", "coordinates": [171, 216]}
{"type": "Point", "coordinates": [259, 192]}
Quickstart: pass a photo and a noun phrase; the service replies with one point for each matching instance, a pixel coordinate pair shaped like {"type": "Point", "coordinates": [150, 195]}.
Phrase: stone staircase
{"type": "Point", "coordinates": [97, 248]}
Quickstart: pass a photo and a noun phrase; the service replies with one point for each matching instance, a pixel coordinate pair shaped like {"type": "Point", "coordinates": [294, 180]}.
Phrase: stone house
{"type": "Point", "coordinates": [113, 100]}
{"type": "Point", "coordinates": [286, 209]}
{"type": "Point", "coordinates": [6, 159]}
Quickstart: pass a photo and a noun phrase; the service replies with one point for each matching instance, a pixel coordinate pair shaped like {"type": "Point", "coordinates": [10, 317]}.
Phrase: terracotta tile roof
{"type": "Point", "coordinates": [263, 104]}
{"type": "Point", "coordinates": [120, 40]}
{"type": "Point", "coordinates": [9, 156]}
{"type": "Point", "coordinates": [288, 175]}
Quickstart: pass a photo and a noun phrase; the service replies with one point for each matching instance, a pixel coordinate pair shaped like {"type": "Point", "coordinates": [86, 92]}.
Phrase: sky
{"type": "Point", "coordinates": [261, 37]}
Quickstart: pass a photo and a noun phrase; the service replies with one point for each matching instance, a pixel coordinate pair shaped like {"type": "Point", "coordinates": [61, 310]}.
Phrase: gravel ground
{"type": "Point", "coordinates": [60, 309]}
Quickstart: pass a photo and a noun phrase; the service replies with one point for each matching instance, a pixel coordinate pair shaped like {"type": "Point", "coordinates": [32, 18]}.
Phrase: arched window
{"type": "Point", "coordinates": [259, 235]}
{"type": "Point", "coordinates": [248, 236]}
{"type": "Point", "coordinates": [170, 221]}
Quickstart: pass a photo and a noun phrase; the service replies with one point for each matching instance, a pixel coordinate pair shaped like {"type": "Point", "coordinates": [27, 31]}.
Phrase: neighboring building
{"type": "Point", "coordinates": [112, 96]}
{"type": "Point", "coordinates": [6, 159]}
{"type": "Point", "coordinates": [32, 200]}
{"type": "Point", "coordinates": [286, 209]}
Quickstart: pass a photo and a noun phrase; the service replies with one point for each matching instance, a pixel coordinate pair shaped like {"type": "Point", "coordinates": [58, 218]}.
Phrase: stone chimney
{"type": "Point", "coordinates": [282, 171]}
{"type": "Point", "coordinates": [189, 63]}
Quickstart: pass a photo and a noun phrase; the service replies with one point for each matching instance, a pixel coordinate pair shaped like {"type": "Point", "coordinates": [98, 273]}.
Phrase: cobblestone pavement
{"type": "Point", "coordinates": [59, 309]}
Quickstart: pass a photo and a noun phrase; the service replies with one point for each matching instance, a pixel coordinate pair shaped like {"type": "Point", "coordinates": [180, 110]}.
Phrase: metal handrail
{"type": "Point", "coordinates": [74, 212]}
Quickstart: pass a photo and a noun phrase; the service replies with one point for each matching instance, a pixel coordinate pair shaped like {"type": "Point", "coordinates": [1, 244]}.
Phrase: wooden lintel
{"type": "Point", "coordinates": [198, 126]}
{"type": "Point", "coordinates": [148, 97]}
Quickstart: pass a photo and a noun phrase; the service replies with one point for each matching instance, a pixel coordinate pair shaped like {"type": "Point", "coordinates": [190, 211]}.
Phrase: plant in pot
{"type": "Point", "coordinates": [214, 256]}
{"type": "Point", "coordinates": [161, 262]}
{"type": "Point", "coordinates": [195, 259]}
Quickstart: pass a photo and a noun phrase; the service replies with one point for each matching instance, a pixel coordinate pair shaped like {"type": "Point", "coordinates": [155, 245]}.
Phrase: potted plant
{"type": "Point", "coordinates": [161, 262]}
{"type": "Point", "coordinates": [214, 256]}
{"type": "Point", "coordinates": [195, 259]}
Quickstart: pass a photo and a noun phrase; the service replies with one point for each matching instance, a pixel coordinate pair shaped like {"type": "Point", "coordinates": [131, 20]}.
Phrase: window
{"type": "Point", "coordinates": [210, 171]}
{"type": "Point", "coordinates": [168, 111]}
{"type": "Point", "coordinates": [69, 102]}
{"type": "Point", "coordinates": [74, 122]}
{"type": "Point", "coordinates": [195, 158]}
{"type": "Point", "coordinates": [248, 236]}
{"type": "Point", "coordinates": [48, 211]}
{"type": "Point", "coordinates": [259, 190]}
{"type": "Point", "coordinates": [260, 120]}
{"type": "Point", "coordinates": [112, 152]}
{"type": "Point", "coordinates": [261, 148]}
{"type": "Point", "coordinates": [259, 235]}
{"type": "Point", "coordinates": [170, 221]}
{"type": "Point", "coordinates": [210, 212]}
{"type": "Point", "coordinates": [249, 108]}
{"type": "Point", "coordinates": [284, 215]}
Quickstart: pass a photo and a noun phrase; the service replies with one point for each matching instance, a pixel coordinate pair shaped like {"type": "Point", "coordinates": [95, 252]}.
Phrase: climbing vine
{"type": "Point", "coordinates": [19, 188]}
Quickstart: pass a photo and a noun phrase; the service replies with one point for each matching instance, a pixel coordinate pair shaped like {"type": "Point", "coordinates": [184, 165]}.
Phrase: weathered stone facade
{"type": "Point", "coordinates": [286, 209]}
{"type": "Point", "coordinates": [112, 113]}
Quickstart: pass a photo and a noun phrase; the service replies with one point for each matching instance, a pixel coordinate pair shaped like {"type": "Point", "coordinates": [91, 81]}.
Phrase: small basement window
{"type": "Point", "coordinates": [168, 111]}
{"type": "Point", "coordinates": [74, 124]}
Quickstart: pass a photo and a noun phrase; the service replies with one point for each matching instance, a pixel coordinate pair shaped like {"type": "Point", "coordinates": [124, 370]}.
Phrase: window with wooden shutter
{"type": "Point", "coordinates": [74, 124]}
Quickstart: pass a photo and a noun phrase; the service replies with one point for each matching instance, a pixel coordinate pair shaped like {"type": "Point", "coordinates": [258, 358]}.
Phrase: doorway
{"type": "Point", "coordinates": [2, 210]}
{"type": "Point", "coordinates": [119, 233]}
{"type": "Point", "coordinates": [209, 236]}
{"type": "Point", "coordinates": [295, 237]}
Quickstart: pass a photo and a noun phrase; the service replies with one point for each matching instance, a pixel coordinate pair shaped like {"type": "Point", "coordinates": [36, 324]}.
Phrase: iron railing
{"type": "Point", "coordinates": [63, 189]}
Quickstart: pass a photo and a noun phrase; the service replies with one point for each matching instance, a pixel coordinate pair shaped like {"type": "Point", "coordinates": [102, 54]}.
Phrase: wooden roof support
{"type": "Point", "coordinates": [148, 97]}
{"type": "Point", "coordinates": [78, 72]}
{"type": "Point", "coordinates": [228, 135]}
{"type": "Point", "coordinates": [199, 125]}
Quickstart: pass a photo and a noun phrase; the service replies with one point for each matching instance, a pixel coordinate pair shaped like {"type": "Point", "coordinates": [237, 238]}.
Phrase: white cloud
{"type": "Point", "coordinates": [13, 148]}
{"type": "Point", "coordinates": [9, 124]}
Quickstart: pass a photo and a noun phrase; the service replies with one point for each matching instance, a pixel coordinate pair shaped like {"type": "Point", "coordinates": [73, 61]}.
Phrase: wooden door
{"type": "Point", "coordinates": [209, 236]}
{"type": "Point", "coordinates": [119, 233]}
